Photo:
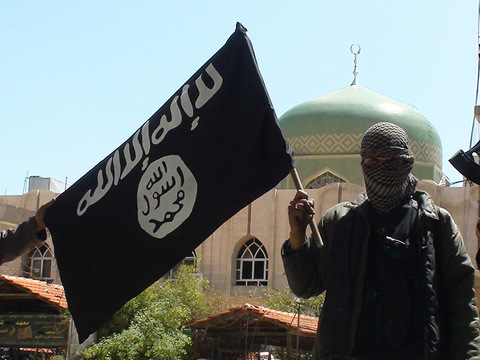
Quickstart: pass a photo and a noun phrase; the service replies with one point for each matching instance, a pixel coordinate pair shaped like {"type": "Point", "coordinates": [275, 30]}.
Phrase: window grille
{"type": "Point", "coordinates": [41, 261]}
{"type": "Point", "coordinates": [324, 179]}
{"type": "Point", "coordinates": [252, 264]}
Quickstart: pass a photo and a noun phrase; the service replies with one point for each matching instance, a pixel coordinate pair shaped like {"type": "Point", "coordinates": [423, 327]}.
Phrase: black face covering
{"type": "Point", "coordinates": [386, 183]}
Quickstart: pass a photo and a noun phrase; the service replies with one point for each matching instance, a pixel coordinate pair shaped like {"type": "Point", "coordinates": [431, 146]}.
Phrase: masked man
{"type": "Point", "coordinates": [399, 283]}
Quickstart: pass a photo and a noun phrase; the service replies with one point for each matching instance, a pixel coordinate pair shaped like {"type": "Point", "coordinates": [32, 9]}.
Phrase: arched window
{"type": "Point", "coordinates": [252, 264]}
{"type": "Point", "coordinates": [324, 179]}
{"type": "Point", "coordinates": [41, 260]}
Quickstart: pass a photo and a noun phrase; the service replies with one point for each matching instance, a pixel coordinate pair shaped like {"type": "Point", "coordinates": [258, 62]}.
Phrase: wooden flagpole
{"type": "Point", "coordinates": [313, 225]}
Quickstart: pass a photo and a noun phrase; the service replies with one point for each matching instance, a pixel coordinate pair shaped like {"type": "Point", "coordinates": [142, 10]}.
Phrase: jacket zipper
{"type": "Point", "coordinates": [360, 283]}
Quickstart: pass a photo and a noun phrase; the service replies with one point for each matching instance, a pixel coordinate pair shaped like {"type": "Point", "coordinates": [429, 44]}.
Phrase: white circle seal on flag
{"type": "Point", "coordinates": [166, 195]}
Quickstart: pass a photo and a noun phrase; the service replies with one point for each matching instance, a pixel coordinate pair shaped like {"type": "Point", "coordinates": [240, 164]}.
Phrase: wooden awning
{"type": "Point", "coordinates": [258, 327]}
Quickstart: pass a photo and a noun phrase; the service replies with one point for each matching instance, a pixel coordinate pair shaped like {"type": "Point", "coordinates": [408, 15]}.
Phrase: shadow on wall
{"type": "Point", "coordinates": [477, 287]}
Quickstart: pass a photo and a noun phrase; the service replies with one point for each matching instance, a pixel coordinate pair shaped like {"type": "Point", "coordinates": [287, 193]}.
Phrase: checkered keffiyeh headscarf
{"type": "Point", "coordinates": [386, 184]}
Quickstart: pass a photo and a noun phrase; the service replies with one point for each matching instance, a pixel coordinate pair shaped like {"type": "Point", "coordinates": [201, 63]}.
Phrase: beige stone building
{"type": "Point", "coordinates": [265, 221]}
{"type": "Point", "coordinates": [325, 134]}
{"type": "Point", "coordinates": [243, 255]}
{"type": "Point", "coordinates": [40, 262]}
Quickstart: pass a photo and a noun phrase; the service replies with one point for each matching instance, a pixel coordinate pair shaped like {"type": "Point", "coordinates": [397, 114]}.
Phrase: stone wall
{"type": "Point", "coordinates": [15, 209]}
{"type": "Point", "coordinates": [266, 219]}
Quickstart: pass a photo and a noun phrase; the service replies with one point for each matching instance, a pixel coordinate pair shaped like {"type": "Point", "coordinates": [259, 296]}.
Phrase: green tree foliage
{"type": "Point", "coordinates": [284, 300]}
{"type": "Point", "coordinates": [150, 325]}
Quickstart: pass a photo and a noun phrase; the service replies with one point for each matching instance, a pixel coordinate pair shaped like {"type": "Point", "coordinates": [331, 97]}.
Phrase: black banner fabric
{"type": "Point", "coordinates": [210, 150]}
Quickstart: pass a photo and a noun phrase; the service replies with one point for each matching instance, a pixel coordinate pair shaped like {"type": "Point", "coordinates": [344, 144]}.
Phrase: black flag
{"type": "Point", "coordinates": [210, 150]}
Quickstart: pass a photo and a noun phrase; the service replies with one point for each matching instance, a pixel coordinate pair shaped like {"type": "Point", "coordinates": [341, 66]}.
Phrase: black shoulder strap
{"type": "Point", "coordinates": [431, 257]}
{"type": "Point", "coordinates": [405, 227]}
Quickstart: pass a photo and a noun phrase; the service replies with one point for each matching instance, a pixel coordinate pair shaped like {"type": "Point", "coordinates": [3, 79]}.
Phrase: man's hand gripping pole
{"type": "Point", "coordinates": [313, 225]}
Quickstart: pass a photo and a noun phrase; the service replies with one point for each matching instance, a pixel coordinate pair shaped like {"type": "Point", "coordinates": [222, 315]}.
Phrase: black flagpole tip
{"type": "Point", "coordinates": [241, 27]}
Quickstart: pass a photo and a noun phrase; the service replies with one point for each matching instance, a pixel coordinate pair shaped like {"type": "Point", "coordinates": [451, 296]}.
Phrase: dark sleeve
{"type": "Point", "coordinates": [16, 242]}
{"type": "Point", "coordinates": [305, 268]}
{"type": "Point", "coordinates": [459, 280]}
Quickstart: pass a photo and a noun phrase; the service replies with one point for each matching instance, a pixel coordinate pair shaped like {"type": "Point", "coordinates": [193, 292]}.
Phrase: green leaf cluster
{"type": "Point", "coordinates": [150, 325]}
{"type": "Point", "coordinates": [284, 300]}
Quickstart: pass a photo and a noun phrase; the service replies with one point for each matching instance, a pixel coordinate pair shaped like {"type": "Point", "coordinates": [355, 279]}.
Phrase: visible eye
{"type": "Point", "coordinates": [370, 161]}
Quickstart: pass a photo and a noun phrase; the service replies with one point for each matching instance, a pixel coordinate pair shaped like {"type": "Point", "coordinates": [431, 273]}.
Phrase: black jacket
{"type": "Point", "coordinates": [451, 323]}
{"type": "Point", "coordinates": [18, 241]}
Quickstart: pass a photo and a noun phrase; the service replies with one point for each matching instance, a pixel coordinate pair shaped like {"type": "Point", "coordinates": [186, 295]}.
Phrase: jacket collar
{"type": "Point", "coordinates": [425, 204]}
{"type": "Point", "coordinates": [422, 200]}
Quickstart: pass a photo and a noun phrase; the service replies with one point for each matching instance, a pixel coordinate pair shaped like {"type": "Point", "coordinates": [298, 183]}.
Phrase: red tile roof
{"type": "Point", "coordinates": [307, 324]}
{"type": "Point", "coordinates": [50, 292]}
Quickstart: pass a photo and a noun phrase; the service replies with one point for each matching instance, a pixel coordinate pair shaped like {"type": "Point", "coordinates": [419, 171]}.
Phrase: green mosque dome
{"type": "Point", "coordinates": [325, 135]}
